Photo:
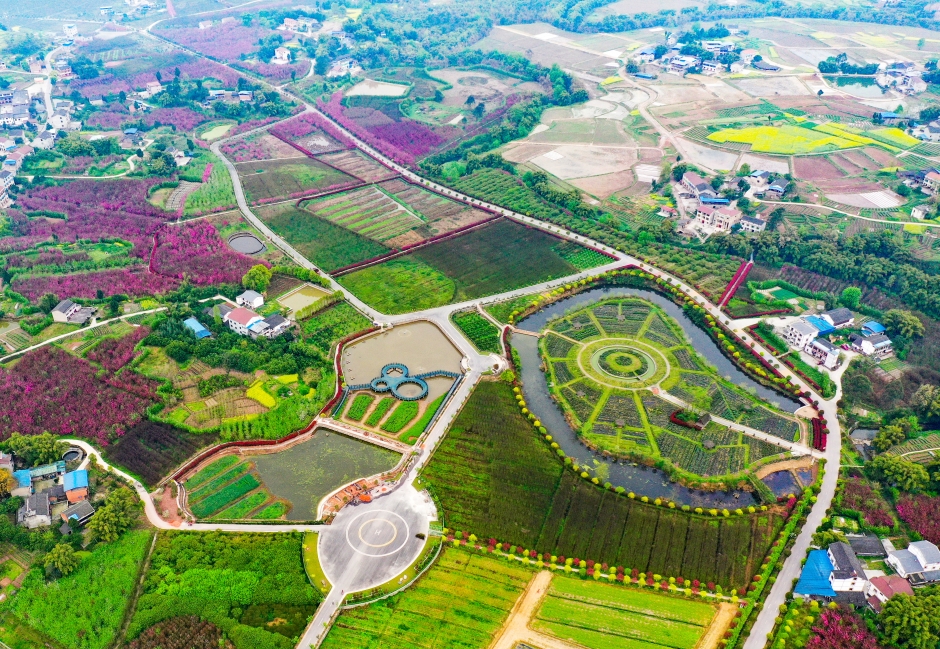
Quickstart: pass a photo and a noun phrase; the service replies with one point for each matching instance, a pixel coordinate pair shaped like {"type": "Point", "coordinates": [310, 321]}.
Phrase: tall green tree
{"type": "Point", "coordinates": [62, 558]}
{"type": "Point", "coordinates": [36, 449]}
{"type": "Point", "coordinates": [851, 297]}
{"type": "Point", "coordinates": [912, 622]}
{"type": "Point", "coordinates": [903, 323]}
{"type": "Point", "coordinates": [888, 436]}
{"type": "Point", "coordinates": [904, 474]}
{"type": "Point", "coordinates": [257, 278]}
{"type": "Point", "coordinates": [114, 517]}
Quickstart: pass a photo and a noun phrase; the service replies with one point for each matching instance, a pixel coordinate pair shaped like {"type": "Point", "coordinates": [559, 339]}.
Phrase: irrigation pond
{"type": "Point", "coordinates": [305, 473]}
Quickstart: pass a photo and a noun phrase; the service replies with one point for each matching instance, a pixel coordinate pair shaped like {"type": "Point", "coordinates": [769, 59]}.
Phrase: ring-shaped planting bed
{"type": "Point", "coordinates": [622, 363]}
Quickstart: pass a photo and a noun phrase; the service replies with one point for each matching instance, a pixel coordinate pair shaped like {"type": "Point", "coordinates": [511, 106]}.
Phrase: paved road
{"type": "Point", "coordinates": [479, 363]}
{"type": "Point", "coordinates": [77, 332]}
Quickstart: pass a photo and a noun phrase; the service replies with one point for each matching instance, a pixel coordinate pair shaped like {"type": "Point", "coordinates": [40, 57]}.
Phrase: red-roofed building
{"type": "Point", "coordinates": [881, 589]}
{"type": "Point", "coordinates": [932, 182]}
{"type": "Point", "coordinates": [240, 319]}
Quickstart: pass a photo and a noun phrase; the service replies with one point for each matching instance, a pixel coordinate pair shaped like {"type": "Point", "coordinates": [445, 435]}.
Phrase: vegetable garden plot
{"type": "Point", "coordinates": [442, 214]}
{"type": "Point", "coordinates": [460, 602]}
{"type": "Point", "coordinates": [495, 477]}
{"type": "Point", "coordinates": [495, 258]}
{"type": "Point", "coordinates": [288, 178]}
{"type": "Point", "coordinates": [359, 166]}
{"type": "Point", "coordinates": [327, 245]}
{"type": "Point", "coordinates": [366, 211]}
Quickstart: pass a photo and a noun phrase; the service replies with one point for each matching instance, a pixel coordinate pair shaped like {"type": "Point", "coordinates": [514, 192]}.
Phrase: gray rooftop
{"type": "Point", "coordinates": [907, 560]}
{"type": "Point", "coordinates": [846, 565]}
{"type": "Point", "coordinates": [81, 511]}
{"type": "Point", "coordinates": [804, 328]}
{"type": "Point", "coordinates": [929, 551]}
{"type": "Point", "coordinates": [839, 316]}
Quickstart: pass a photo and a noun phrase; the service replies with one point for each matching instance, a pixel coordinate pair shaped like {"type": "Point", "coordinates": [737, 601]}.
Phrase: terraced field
{"type": "Point", "coordinates": [358, 165]}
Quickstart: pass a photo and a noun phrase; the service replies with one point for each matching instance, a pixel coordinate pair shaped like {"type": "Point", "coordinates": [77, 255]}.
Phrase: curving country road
{"type": "Point", "coordinates": [405, 509]}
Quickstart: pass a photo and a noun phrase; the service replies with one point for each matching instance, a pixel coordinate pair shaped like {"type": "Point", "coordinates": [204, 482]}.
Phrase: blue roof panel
{"type": "Point", "coordinates": [75, 480]}
{"type": "Point", "coordinates": [874, 327]}
{"type": "Point", "coordinates": [814, 580]}
{"type": "Point", "coordinates": [823, 326]}
{"type": "Point", "coordinates": [196, 327]}
{"type": "Point", "coordinates": [23, 477]}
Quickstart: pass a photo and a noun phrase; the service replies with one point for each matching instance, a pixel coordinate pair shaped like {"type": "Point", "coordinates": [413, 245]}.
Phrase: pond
{"type": "Point", "coordinates": [782, 483]}
{"type": "Point", "coordinates": [858, 86]}
{"type": "Point", "coordinates": [73, 454]}
{"type": "Point", "coordinates": [246, 243]}
{"type": "Point", "coordinates": [420, 346]}
{"type": "Point", "coordinates": [302, 297]}
{"type": "Point", "coordinates": [639, 479]}
{"type": "Point", "coordinates": [305, 473]}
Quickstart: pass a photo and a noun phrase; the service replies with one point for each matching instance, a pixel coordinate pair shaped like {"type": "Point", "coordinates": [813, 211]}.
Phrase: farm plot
{"type": "Point", "coordinates": [260, 146]}
{"type": "Point", "coordinates": [327, 245]}
{"type": "Point", "coordinates": [499, 257]}
{"type": "Point", "coordinates": [461, 602]}
{"type": "Point", "coordinates": [227, 488]}
{"type": "Point", "coordinates": [602, 616]}
{"type": "Point", "coordinates": [359, 166]}
{"type": "Point", "coordinates": [496, 478]}
{"type": "Point", "coordinates": [787, 140]}
{"type": "Point", "coordinates": [442, 214]}
{"type": "Point", "coordinates": [816, 168]}
{"type": "Point", "coordinates": [368, 212]}
{"type": "Point", "coordinates": [481, 332]}
{"type": "Point", "coordinates": [151, 450]}
{"type": "Point", "coordinates": [273, 179]}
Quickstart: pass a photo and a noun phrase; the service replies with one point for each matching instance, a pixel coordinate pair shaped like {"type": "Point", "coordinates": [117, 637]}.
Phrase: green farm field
{"type": "Point", "coordinates": [84, 610]}
{"type": "Point", "coordinates": [459, 603]}
{"type": "Point", "coordinates": [496, 478]}
{"type": "Point", "coordinates": [283, 178]}
{"type": "Point", "coordinates": [327, 245]}
{"type": "Point", "coordinates": [226, 489]}
{"type": "Point", "coordinates": [493, 259]}
{"type": "Point", "coordinates": [481, 332]}
{"type": "Point", "coordinates": [606, 616]}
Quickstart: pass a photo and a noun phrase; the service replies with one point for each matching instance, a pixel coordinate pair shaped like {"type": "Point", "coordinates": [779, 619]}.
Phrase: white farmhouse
{"type": "Point", "coordinates": [799, 334]}
{"type": "Point", "coordinates": [250, 300]}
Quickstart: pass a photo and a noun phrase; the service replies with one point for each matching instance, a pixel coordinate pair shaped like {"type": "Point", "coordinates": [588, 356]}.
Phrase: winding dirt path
{"type": "Point", "coordinates": [716, 631]}
{"type": "Point", "coordinates": [516, 628]}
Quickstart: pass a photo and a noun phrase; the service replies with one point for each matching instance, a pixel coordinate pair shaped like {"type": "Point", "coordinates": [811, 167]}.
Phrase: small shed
{"type": "Point", "coordinates": [872, 328]}
{"type": "Point", "coordinates": [196, 327]}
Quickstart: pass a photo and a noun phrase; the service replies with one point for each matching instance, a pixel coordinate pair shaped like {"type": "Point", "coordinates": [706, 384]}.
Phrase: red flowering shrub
{"type": "Point", "coordinates": [195, 250]}
{"type": "Point", "coordinates": [838, 629]}
{"type": "Point", "coordinates": [133, 281]}
{"type": "Point", "coordinates": [114, 353]}
{"type": "Point", "coordinates": [859, 495]}
{"type": "Point", "coordinates": [922, 513]}
{"type": "Point", "coordinates": [51, 390]}
{"type": "Point", "coordinates": [223, 41]}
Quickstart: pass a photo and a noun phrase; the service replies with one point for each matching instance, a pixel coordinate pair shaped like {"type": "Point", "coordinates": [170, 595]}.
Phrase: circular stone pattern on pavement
{"type": "Point", "coordinates": [377, 533]}
{"type": "Point", "coordinates": [622, 363]}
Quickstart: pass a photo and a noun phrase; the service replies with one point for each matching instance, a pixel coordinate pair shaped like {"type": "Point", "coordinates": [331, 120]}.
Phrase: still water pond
{"type": "Point", "coordinates": [639, 479]}
{"type": "Point", "coordinates": [305, 473]}
{"type": "Point", "coordinates": [858, 86]}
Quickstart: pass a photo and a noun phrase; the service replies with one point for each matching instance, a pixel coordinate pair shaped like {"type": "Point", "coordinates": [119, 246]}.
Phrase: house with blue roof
{"type": "Point", "coordinates": [196, 327]}
{"type": "Point", "coordinates": [872, 328]}
{"type": "Point", "coordinates": [834, 574]}
{"type": "Point", "coordinates": [24, 483]}
{"type": "Point", "coordinates": [823, 326]}
{"type": "Point", "coordinates": [75, 484]}
{"type": "Point", "coordinates": [814, 580]}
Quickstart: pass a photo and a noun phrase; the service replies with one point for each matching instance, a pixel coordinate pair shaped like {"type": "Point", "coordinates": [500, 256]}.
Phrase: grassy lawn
{"type": "Point", "coordinates": [312, 563]}
{"type": "Point", "coordinates": [84, 610]}
{"type": "Point", "coordinates": [494, 259]}
{"type": "Point", "coordinates": [602, 616]}
{"type": "Point", "coordinates": [460, 602]}
{"type": "Point", "coordinates": [218, 192]}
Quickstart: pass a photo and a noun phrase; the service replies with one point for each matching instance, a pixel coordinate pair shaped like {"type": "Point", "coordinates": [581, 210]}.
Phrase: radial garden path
{"type": "Point", "coordinates": [478, 364]}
